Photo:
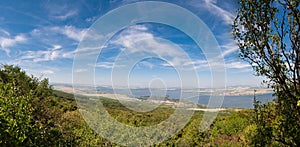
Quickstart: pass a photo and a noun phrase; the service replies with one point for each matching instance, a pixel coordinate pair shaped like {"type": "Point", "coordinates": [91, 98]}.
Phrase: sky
{"type": "Point", "coordinates": [43, 37]}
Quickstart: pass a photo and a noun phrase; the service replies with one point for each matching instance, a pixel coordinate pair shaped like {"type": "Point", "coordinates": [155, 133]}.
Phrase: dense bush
{"type": "Point", "coordinates": [229, 129]}
{"type": "Point", "coordinates": [25, 114]}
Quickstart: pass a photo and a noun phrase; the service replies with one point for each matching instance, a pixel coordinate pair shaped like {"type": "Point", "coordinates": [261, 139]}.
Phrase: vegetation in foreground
{"type": "Point", "coordinates": [267, 32]}
{"type": "Point", "coordinates": [32, 114]}
{"type": "Point", "coordinates": [268, 36]}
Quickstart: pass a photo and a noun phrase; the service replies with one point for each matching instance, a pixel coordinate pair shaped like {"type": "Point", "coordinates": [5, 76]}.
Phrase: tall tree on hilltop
{"type": "Point", "coordinates": [267, 32]}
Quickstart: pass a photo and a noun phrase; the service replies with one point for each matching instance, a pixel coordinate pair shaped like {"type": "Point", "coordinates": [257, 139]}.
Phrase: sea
{"type": "Point", "coordinates": [237, 101]}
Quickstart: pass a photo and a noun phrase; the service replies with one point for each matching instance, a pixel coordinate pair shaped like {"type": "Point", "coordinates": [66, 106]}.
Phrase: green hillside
{"type": "Point", "coordinates": [33, 114]}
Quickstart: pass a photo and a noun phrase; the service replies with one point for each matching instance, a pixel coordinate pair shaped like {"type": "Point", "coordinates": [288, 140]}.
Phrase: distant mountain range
{"type": "Point", "coordinates": [229, 91]}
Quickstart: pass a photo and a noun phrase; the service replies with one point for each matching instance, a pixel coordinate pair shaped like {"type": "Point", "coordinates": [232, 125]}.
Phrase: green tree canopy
{"type": "Point", "coordinates": [24, 118]}
{"type": "Point", "coordinates": [268, 36]}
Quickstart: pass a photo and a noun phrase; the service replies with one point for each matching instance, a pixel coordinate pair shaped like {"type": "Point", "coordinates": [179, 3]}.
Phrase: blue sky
{"type": "Point", "coordinates": [42, 37]}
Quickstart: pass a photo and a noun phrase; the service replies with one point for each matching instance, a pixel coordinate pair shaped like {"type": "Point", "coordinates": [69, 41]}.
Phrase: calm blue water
{"type": "Point", "coordinates": [244, 101]}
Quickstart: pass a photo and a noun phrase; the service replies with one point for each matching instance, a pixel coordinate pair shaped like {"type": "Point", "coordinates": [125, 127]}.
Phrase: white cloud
{"type": "Point", "coordinates": [66, 15]}
{"type": "Point", "coordinates": [4, 32]}
{"type": "Point", "coordinates": [83, 52]}
{"type": "Point", "coordinates": [204, 65]}
{"type": "Point", "coordinates": [194, 64]}
{"type": "Point", "coordinates": [213, 8]}
{"type": "Point", "coordinates": [229, 48]}
{"type": "Point", "coordinates": [7, 42]}
{"type": "Point", "coordinates": [138, 28]}
{"type": "Point", "coordinates": [59, 10]}
{"type": "Point", "coordinates": [70, 31]}
{"type": "Point", "coordinates": [70, 35]}
{"type": "Point", "coordinates": [146, 64]}
{"type": "Point", "coordinates": [238, 65]}
{"type": "Point", "coordinates": [41, 55]}
{"type": "Point", "coordinates": [36, 32]}
{"type": "Point", "coordinates": [105, 64]}
{"type": "Point", "coordinates": [225, 15]}
{"type": "Point", "coordinates": [91, 19]}
{"type": "Point", "coordinates": [49, 35]}
{"type": "Point", "coordinates": [56, 47]}
{"type": "Point", "coordinates": [136, 40]}
{"type": "Point", "coordinates": [212, 65]}
{"type": "Point", "coordinates": [197, 62]}
{"type": "Point", "coordinates": [75, 33]}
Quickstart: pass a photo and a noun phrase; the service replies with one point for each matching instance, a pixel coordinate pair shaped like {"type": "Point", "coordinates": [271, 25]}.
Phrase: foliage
{"type": "Point", "coordinates": [250, 134]}
{"type": "Point", "coordinates": [229, 129]}
{"type": "Point", "coordinates": [32, 114]}
{"type": "Point", "coordinates": [15, 116]}
{"type": "Point", "coordinates": [23, 118]}
{"type": "Point", "coordinates": [129, 117]}
{"type": "Point", "coordinates": [267, 33]}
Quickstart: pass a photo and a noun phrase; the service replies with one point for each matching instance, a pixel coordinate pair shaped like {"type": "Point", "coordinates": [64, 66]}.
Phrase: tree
{"type": "Point", "coordinates": [15, 116]}
{"type": "Point", "coordinates": [267, 33]}
{"type": "Point", "coordinates": [26, 119]}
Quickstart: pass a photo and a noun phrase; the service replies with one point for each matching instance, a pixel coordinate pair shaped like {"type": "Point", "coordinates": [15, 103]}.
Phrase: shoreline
{"type": "Point", "coordinates": [166, 102]}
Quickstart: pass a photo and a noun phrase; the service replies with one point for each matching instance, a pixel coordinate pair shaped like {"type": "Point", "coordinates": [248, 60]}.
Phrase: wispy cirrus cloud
{"type": "Point", "coordinates": [62, 11]}
{"type": "Point", "coordinates": [4, 32]}
{"type": "Point", "coordinates": [137, 40]}
{"type": "Point", "coordinates": [204, 65]}
{"type": "Point", "coordinates": [238, 65]}
{"type": "Point", "coordinates": [70, 31]}
{"type": "Point", "coordinates": [7, 42]}
{"type": "Point", "coordinates": [105, 64]}
{"type": "Point", "coordinates": [228, 48]}
{"type": "Point", "coordinates": [66, 15]}
{"type": "Point", "coordinates": [67, 36]}
{"type": "Point", "coordinates": [41, 71]}
{"type": "Point", "coordinates": [213, 7]}
{"type": "Point", "coordinates": [43, 55]}
{"type": "Point", "coordinates": [226, 16]}
{"type": "Point", "coordinates": [220, 11]}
